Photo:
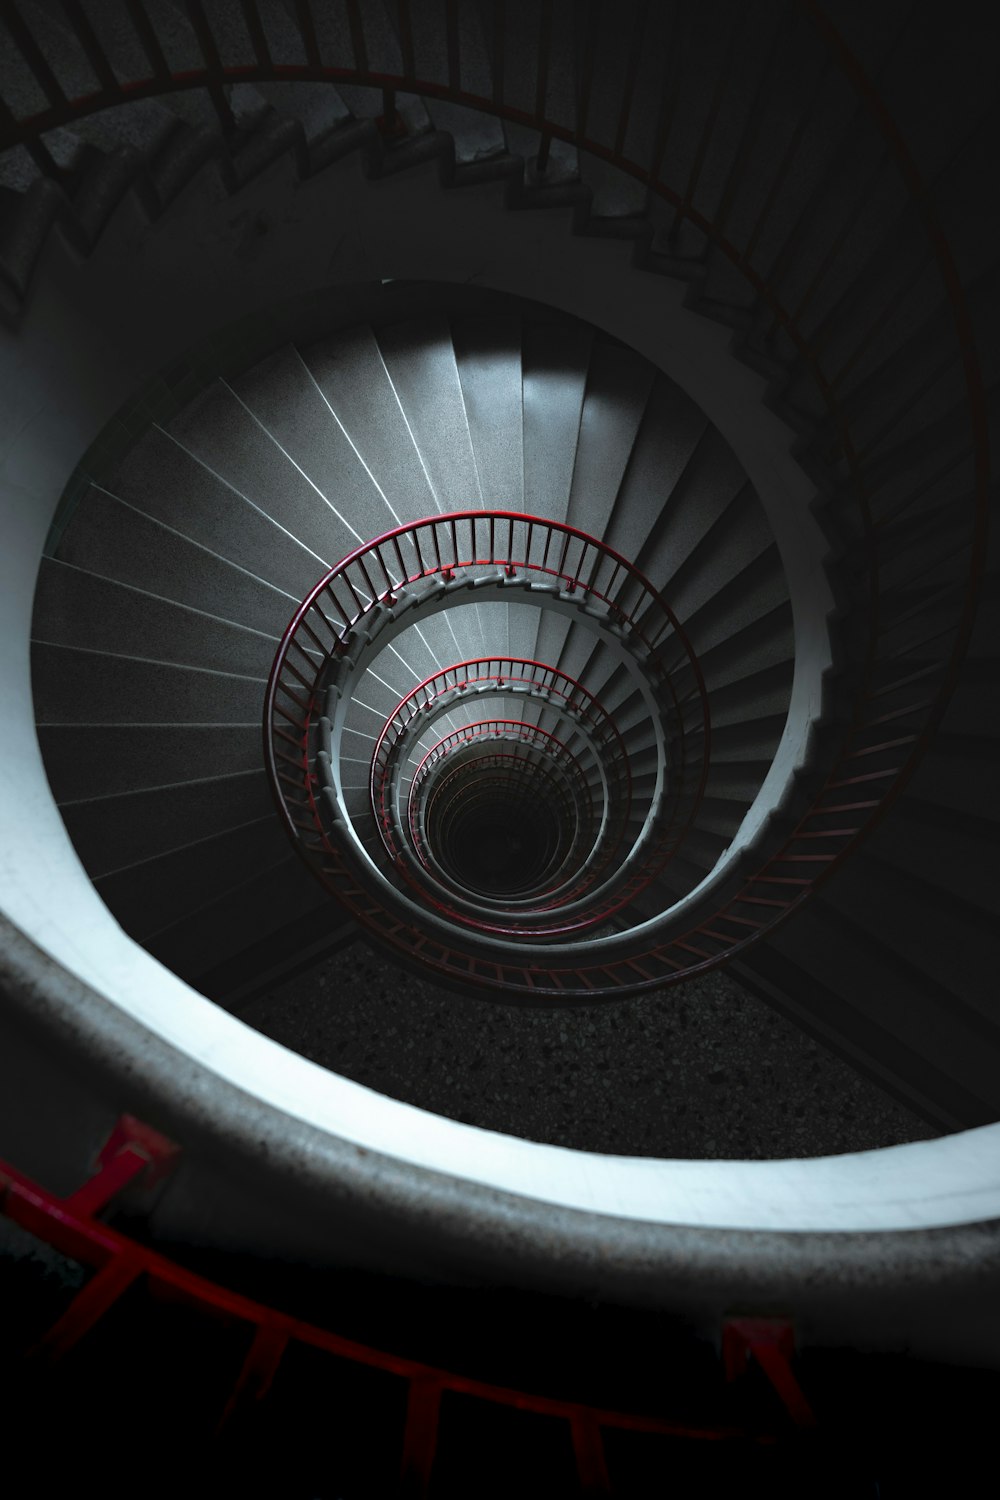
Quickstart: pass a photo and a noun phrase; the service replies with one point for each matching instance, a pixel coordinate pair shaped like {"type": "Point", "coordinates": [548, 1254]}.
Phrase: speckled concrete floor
{"type": "Point", "coordinates": [704, 1069]}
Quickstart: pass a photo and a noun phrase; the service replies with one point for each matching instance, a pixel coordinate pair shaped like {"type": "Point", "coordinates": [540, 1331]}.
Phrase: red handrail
{"type": "Point", "coordinates": [69, 1226]}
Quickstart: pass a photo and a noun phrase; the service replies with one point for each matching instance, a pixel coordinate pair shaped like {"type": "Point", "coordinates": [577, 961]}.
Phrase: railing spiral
{"type": "Point", "coordinates": [509, 732]}
{"type": "Point", "coordinates": [496, 675]}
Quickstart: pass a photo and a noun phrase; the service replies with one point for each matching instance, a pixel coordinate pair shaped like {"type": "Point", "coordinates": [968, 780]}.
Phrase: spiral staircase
{"type": "Point", "coordinates": [618, 606]}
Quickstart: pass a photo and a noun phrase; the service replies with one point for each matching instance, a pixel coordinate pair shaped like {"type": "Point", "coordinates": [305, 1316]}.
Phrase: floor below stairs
{"type": "Point", "coordinates": [703, 1070]}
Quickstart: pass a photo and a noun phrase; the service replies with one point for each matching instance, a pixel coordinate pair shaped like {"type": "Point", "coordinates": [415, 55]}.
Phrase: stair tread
{"type": "Point", "coordinates": [931, 1019]}
{"type": "Point", "coordinates": [114, 832]}
{"type": "Point", "coordinates": [90, 687]}
{"type": "Point", "coordinates": [108, 537]}
{"type": "Point", "coordinates": [166, 482]}
{"type": "Point", "coordinates": [283, 396]}
{"type": "Point", "coordinates": [159, 891]}
{"type": "Point", "coordinates": [420, 359]}
{"type": "Point", "coordinates": [555, 360]}
{"type": "Point", "coordinates": [88, 612]}
{"type": "Point", "coordinates": [950, 941]}
{"type": "Point", "coordinates": [488, 352]}
{"type": "Point", "coordinates": [85, 761]}
{"type": "Point", "coordinates": [352, 378]}
{"type": "Point", "coordinates": [223, 433]}
{"type": "Point", "coordinates": [617, 390]}
{"type": "Point", "coordinates": [863, 1039]}
{"type": "Point", "coordinates": [671, 430]}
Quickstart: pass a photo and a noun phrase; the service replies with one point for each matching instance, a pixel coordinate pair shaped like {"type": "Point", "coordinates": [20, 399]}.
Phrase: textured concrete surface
{"type": "Point", "coordinates": [703, 1070]}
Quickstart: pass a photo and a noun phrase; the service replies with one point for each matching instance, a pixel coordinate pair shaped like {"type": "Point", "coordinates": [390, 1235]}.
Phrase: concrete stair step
{"type": "Point", "coordinates": [284, 398]}
{"type": "Point", "coordinates": [931, 1019]}
{"type": "Point", "coordinates": [219, 430]}
{"type": "Point", "coordinates": [169, 484]}
{"type": "Point", "coordinates": [841, 1022]}
{"type": "Point", "coordinates": [488, 355]}
{"type": "Point", "coordinates": [107, 537]}
{"type": "Point", "coordinates": [112, 833]}
{"type": "Point", "coordinates": [74, 686]}
{"type": "Point", "coordinates": [95, 614]}
{"type": "Point", "coordinates": [704, 490]}
{"type": "Point", "coordinates": [262, 907]}
{"type": "Point", "coordinates": [953, 852]}
{"type": "Point", "coordinates": [952, 942]}
{"type": "Point", "coordinates": [147, 897]}
{"type": "Point", "coordinates": [763, 694]}
{"type": "Point", "coordinates": [420, 360]}
{"type": "Point", "coordinates": [738, 539]}
{"type": "Point", "coordinates": [353, 380]}
{"type": "Point", "coordinates": [618, 388]}
{"type": "Point", "coordinates": [85, 761]}
{"type": "Point", "coordinates": [555, 363]}
{"type": "Point", "coordinates": [667, 440]}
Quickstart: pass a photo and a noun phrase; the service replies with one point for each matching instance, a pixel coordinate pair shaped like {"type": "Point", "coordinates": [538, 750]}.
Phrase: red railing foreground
{"type": "Point", "coordinates": [70, 1225]}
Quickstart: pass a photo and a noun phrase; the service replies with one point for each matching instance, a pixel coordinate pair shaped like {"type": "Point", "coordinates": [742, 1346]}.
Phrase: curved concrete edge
{"type": "Point", "coordinates": [299, 1192]}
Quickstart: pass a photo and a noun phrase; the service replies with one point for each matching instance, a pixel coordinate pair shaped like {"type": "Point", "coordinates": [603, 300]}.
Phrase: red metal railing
{"type": "Point", "coordinates": [70, 1226]}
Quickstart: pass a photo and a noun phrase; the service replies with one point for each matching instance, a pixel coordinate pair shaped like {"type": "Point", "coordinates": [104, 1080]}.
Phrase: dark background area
{"type": "Point", "coordinates": [703, 1069]}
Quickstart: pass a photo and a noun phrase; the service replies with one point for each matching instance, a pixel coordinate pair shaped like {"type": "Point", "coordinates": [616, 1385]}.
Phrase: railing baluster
{"type": "Point", "coordinates": [34, 145]}
{"type": "Point", "coordinates": [337, 605]}
{"type": "Point", "coordinates": [562, 556]}
{"type": "Point", "coordinates": [406, 38]}
{"type": "Point", "coordinates": [320, 646]}
{"type": "Point", "coordinates": [403, 576]}
{"type": "Point", "coordinates": [784, 167]}
{"type": "Point", "coordinates": [34, 57]}
{"type": "Point", "coordinates": [79, 22]}
{"type": "Point", "coordinates": [587, 68]}
{"type": "Point", "coordinates": [452, 44]}
{"type": "Point", "coordinates": [682, 209]}
{"type": "Point", "coordinates": [298, 675]}
{"type": "Point", "coordinates": [635, 51]}
{"type": "Point", "coordinates": [542, 75]}
{"type": "Point", "coordinates": [357, 29]}
{"type": "Point", "coordinates": [213, 62]}
{"type": "Point", "coordinates": [499, 50]}
{"type": "Point", "coordinates": [372, 590]}
{"type": "Point", "coordinates": [289, 693]}
{"type": "Point", "coordinates": [671, 89]}
{"type": "Point", "coordinates": [148, 40]}
{"type": "Point", "coordinates": [257, 34]}
{"type": "Point", "coordinates": [307, 31]}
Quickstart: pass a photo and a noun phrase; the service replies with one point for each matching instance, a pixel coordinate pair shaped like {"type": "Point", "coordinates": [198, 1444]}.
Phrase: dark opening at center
{"type": "Point", "coordinates": [501, 845]}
